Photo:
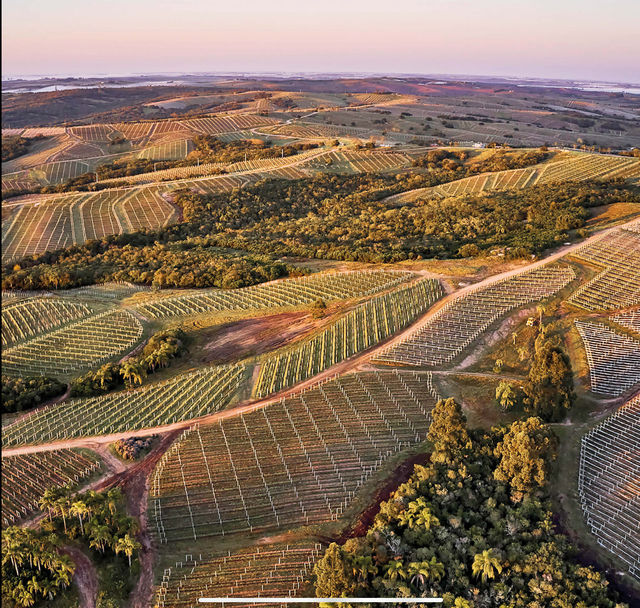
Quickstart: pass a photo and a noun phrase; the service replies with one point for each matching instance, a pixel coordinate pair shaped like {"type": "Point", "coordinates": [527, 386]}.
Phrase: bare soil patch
{"type": "Point", "coordinates": [248, 337]}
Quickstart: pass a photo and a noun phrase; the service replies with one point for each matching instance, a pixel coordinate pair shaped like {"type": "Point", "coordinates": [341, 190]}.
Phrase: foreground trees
{"type": "Point", "coordinates": [458, 530]}
{"type": "Point", "coordinates": [33, 567]}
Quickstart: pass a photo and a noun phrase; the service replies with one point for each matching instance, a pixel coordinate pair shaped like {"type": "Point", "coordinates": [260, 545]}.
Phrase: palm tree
{"type": "Point", "coordinates": [505, 395]}
{"type": "Point", "coordinates": [48, 500]}
{"type": "Point", "coordinates": [104, 375]}
{"type": "Point", "coordinates": [62, 505]}
{"type": "Point", "coordinates": [132, 372]}
{"type": "Point", "coordinates": [127, 545]}
{"type": "Point", "coordinates": [99, 536]}
{"type": "Point", "coordinates": [423, 571]}
{"type": "Point", "coordinates": [13, 547]}
{"type": "Point", "coordinates": [461, 603]}
{"type": "Point", "coordinates": [395, 570]}
{"type": "Point", "coordinates": [485, 564]}
{"type": "Point", "coordinates": [80, 509]}
{"type": "Point", "coordinates": [34, 586]}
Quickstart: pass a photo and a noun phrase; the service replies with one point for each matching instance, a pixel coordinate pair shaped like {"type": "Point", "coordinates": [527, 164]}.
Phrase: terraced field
{"type": "Point", "coordinates": [25, 478]}
{"type": "Point", "coordinates": [296, 462]}
{"type": "Point", "coordinates": [287, 292]}
{"type": "Point", "coordinates": [78, 346]}
{"type": "Point", "coordinates": [182, 398]}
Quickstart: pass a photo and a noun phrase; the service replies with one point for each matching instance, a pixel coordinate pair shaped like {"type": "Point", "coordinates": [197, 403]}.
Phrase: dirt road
{"type": "Point", "coordinates": [353, 363]}
{"type": "Point", "coordinates": [85, 577]}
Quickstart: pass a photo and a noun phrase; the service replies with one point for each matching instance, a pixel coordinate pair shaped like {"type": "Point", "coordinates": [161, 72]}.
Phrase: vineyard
{"type": "Point", "coordinates": [25, 319]}
{"type": "Point", "coordinates": [629, 319]}
{"type": "Point", "coordinates": [608, 484]}
{"type": "Point", "coordinates": [614, 359]}
{"type": "Point", "coordinates": [295, 462]}
{"type": "Point", "coordinates": [618, 284]}
{"type": "Point", "coordinates": [274, 570]}
{"type": "Point", "coordinates": [447, 333]}
{"type": "Point", "coordinates": [25, 478]}
{"type": "Point", "coordinates": [182, 398]}
{"type": "Point", "coordinates": [75, 347]}
{"type": "Point", "coordinates": [211, 125]}
{"type": "Point", "coordinates": [579, 167]}
{"type": "Point", "coordinates": [59, 221]}
{"type": "Point", "coordinates": [361, 328]}
{"type": "Point", "coordinates": [172, 150]}
{"type": "Point", "coordinates": [287, 292]}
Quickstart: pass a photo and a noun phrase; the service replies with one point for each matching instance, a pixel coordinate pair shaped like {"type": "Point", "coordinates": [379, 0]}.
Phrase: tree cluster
{"type": "Point", "coordinates": [473, 526]}
{"type": "Point", "coordinates": [12, 147]}
{"type": "Point", "coordinates": [33, 568]}
{"type": "Point", "coordinates": [142, 258]}
{"type": "Point", "coordinates": [157, 353]}
{"type": "Point", "coordinates": [19, 394]}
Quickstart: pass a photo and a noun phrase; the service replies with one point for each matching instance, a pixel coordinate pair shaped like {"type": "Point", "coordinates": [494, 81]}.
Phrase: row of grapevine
{"type": "Point", "coordinates": [614, 358]}
{"type": "Point", "coordinates": [608, 484]}
{"type": "Point", "coordinates": [447, 333]}
{"type": "Point", "coordinates": [366, 325]}
{"type": "Point", "coordinates": [24, 319]}
{"type": "Point", "coordinates": [25, 478]}
{"type": "Point", "coordinates": [78, 346]}
{"type": "Point", "coordinates": [286, 292]}
{"type": "Point", "coordinates": [295, 462]}
{"type": "Point", "coordinates": [273, 570]}
{"type": "Point", "coordinates": [182, 398]}
{"type": "Point", "coordinates": [618, 284]}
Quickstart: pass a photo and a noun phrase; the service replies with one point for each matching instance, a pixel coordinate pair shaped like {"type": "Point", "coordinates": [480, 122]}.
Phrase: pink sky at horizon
{"type": "Point", "coordinates": [581, 39]}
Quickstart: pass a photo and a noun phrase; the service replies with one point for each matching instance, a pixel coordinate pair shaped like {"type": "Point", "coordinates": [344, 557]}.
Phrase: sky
{"type": "Point", "coordinates": [578, 39]}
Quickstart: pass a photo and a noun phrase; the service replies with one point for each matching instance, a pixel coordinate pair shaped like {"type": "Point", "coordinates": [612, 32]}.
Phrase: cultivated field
{"type": "Point", "coordinates": [295, 462]}
{"type": "Point", "coordinates": [447, 333]}
{"type": "Point", "coordinates": [287, 292]}
{"type": "Point", "coordinates": [609, 485]}
{"type": "Point", "coordinates": [72, 348]}
{"type": "Point", "coordinates": [25, 478]}
{"type": "Point", "coordinates": [363, 327]}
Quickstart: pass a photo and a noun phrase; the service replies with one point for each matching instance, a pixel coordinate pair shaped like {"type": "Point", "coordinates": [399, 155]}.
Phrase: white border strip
{"type": "Point", "coordinates": [317, 600]}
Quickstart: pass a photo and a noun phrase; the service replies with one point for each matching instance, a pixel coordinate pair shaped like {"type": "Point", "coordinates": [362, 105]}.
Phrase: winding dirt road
{"type": "Point", "coordinates": [354, 363]}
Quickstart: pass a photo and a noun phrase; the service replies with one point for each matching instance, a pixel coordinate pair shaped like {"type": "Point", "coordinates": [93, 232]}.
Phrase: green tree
{"type": "Point", "coordinates": [334, 574]}
{"type": "Point", "coordinates": [127, 545]}
{"type": "Point", "coordinates": [549, 389]}
{"type": "Point", "coordinates": [506, 395]}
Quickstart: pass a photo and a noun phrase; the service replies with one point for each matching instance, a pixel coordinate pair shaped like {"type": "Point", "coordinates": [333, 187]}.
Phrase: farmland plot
{"type": "Point", "coordinates": [26, 478]}
{"type": "Point", "coordinates": [461, 321]}
{"type": "Point", "coordinates": [608, 484]}
{"type": "Point", "coordinates": [617, 285]}
{"type": "Point", "coordinates": [75, 347]}
{"type": "Point", "coordinates": [24, 319]}
{"type": "Point", "coordinates": [286, 292]}
{"type": "Point", "coordinates": [296, 462]}
{"type": "Point", "coordinates": [182, 398]}
{"type": "Point", "coordinates": [272, 570]}
{"type": "Point", "coordinates": [358, 330]}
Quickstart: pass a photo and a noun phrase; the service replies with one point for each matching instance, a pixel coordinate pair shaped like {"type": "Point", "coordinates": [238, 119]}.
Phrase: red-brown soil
{"type": "Point", "coordinates": [248, 337]}
{"type": "Point", "coordinates": [401, 474]}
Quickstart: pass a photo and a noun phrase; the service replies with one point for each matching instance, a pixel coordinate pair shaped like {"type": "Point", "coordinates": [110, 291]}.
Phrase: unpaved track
{"type": "Point", "coordinates": [85, 577]}
{"type": "Point", "coordinates": [353, 363]}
